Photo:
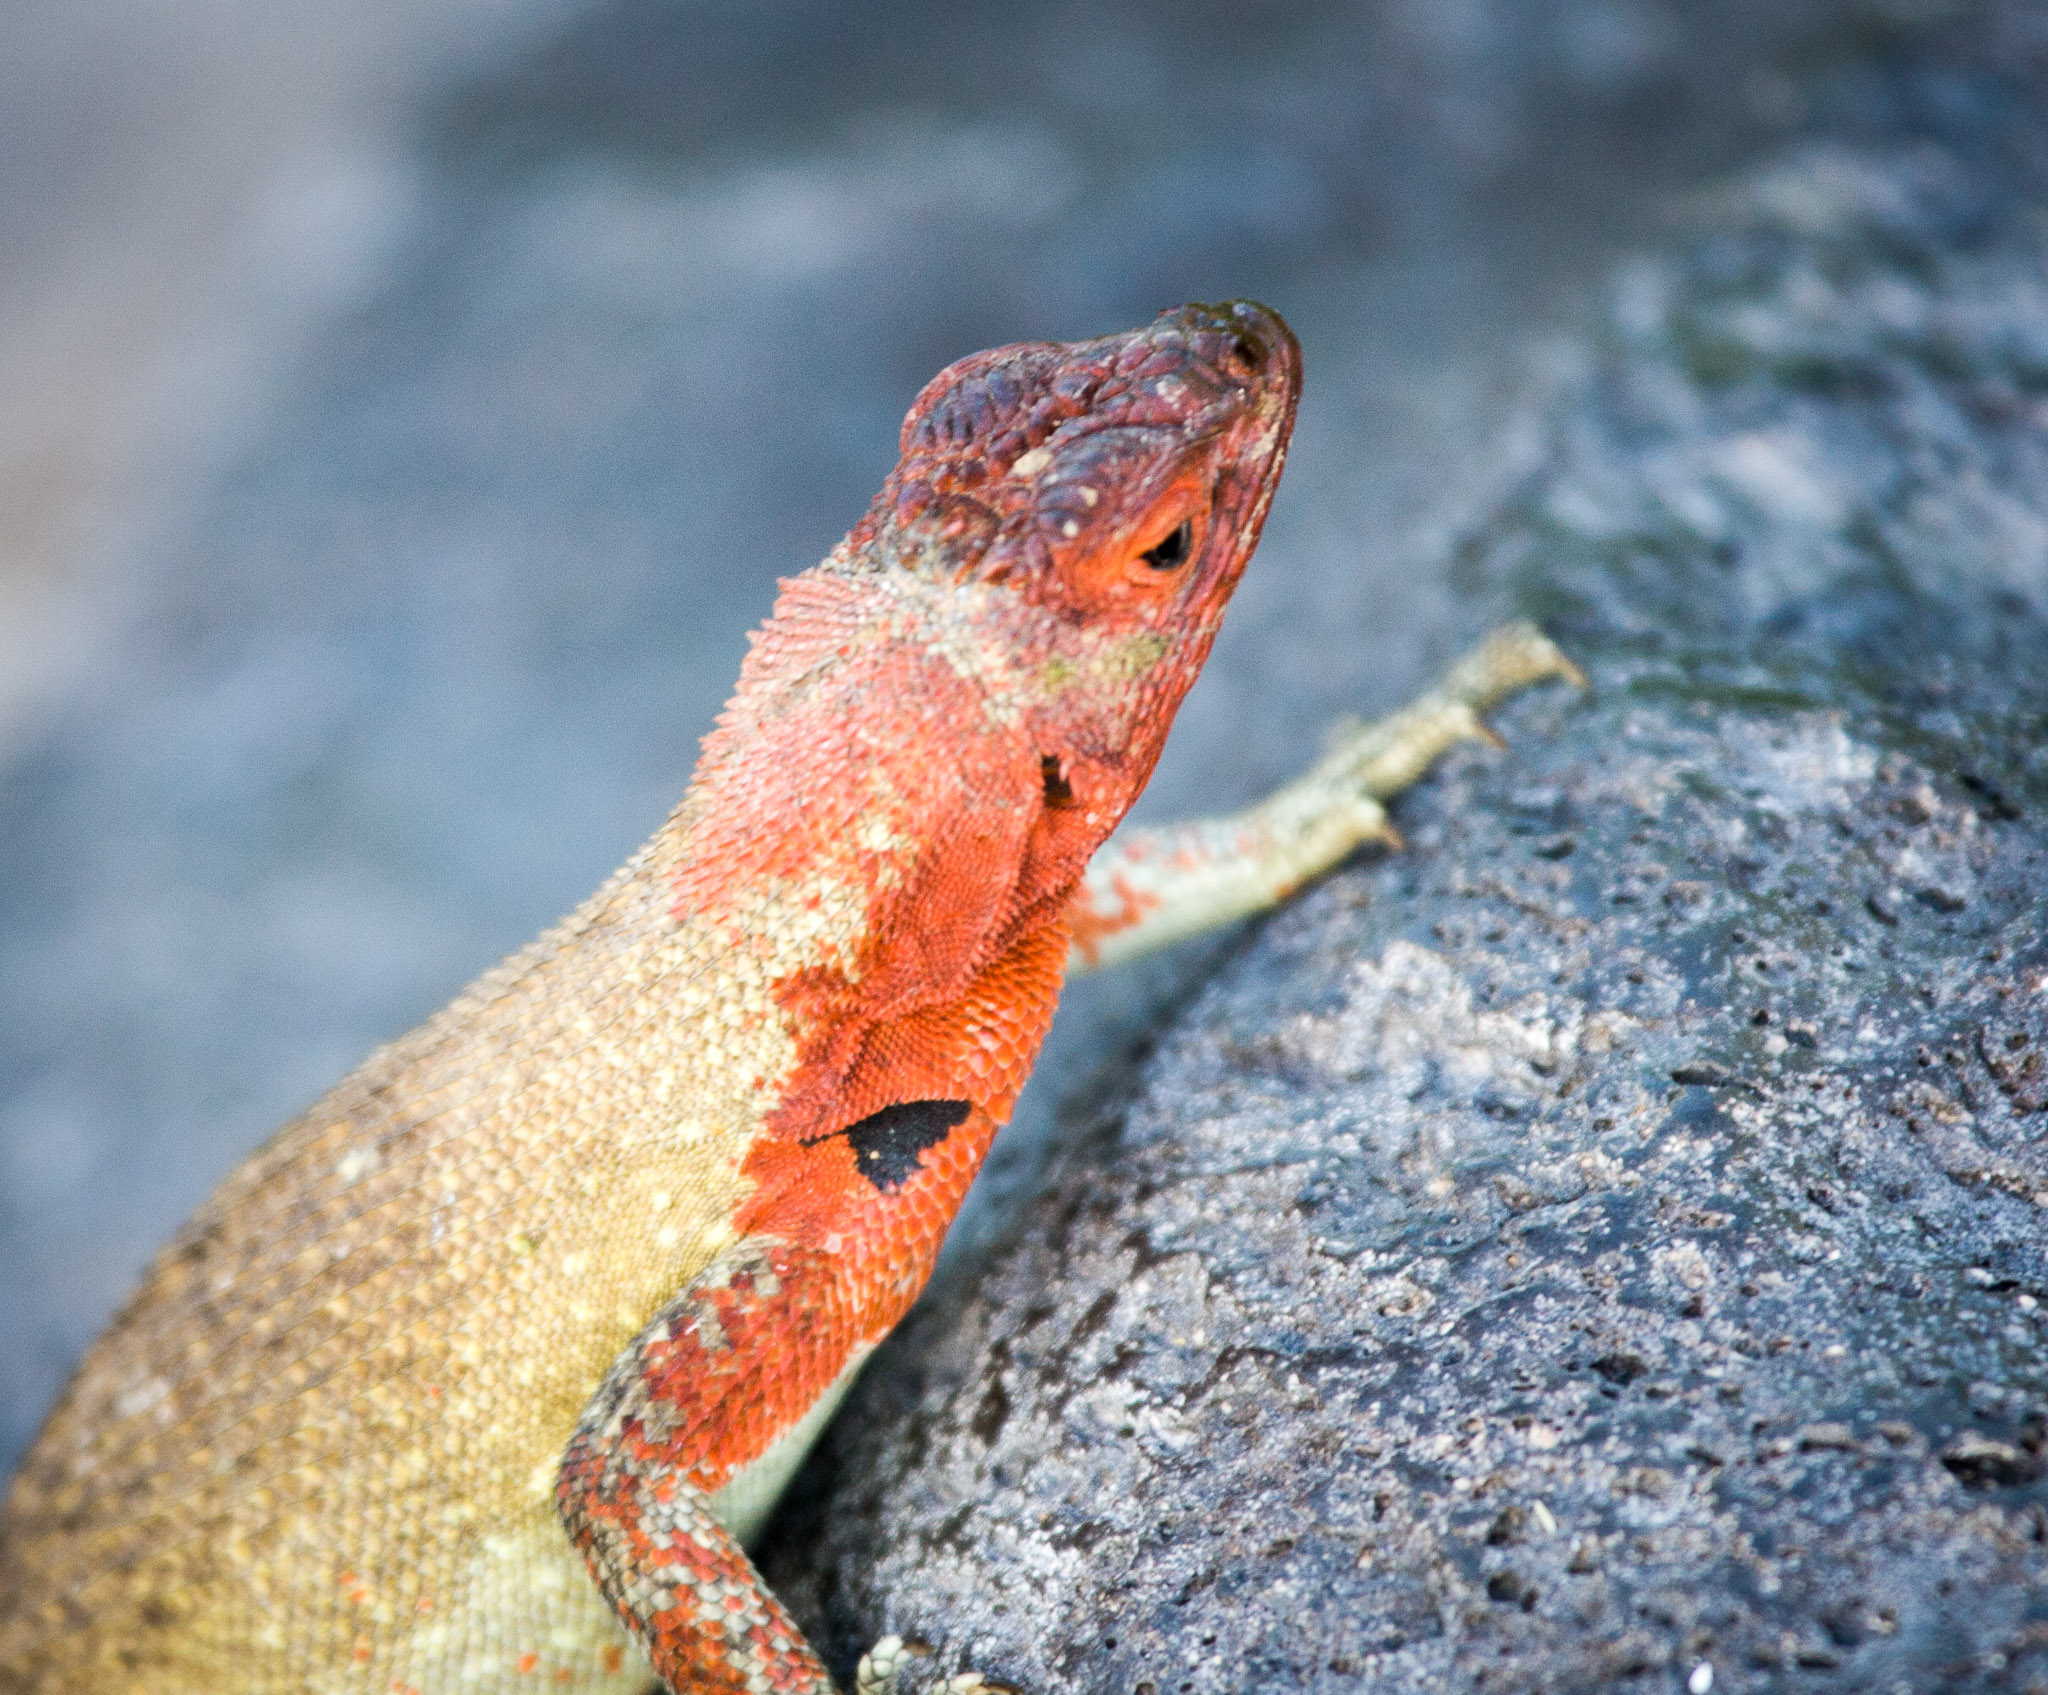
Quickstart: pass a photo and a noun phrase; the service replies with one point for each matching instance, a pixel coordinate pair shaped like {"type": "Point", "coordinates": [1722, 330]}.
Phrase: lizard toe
{"type": "Point", "coordinates": [881, 1664]}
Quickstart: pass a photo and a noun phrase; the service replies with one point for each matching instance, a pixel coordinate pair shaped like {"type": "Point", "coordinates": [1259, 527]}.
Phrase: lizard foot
{"type": "Point", "coordinates": [1383, 758]}
{"type": "Point", "coordinates": [1149, 887]}
{"type": "Point", "coordinates": [881, 1665]}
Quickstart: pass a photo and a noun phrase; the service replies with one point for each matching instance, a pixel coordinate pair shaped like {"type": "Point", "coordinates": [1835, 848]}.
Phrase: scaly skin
{"type": "Point", "coordinates": [559, 1276]}
{"type": "Point", "coordinates": [479, 1376]}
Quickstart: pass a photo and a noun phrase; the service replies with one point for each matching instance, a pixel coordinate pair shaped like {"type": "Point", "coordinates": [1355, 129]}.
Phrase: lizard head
{"type": "Point", "coordinates": [1098, 501]}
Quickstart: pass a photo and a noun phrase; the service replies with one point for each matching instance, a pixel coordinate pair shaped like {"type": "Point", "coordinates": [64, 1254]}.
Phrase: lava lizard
{"type": "Point", "coordinates": [480, 1375]}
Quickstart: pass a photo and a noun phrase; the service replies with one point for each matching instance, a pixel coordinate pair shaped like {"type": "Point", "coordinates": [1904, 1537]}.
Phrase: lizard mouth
{"type": "Point", "coordinates": [1251, 348]}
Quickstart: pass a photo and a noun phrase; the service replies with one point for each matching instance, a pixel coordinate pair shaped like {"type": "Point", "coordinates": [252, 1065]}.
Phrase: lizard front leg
{"type": "Point", "coordinates": [1148, 887]}
{"type": "Point", "coordinates": [732, 1369]}
{"type": "Point", "coordinates": [681, 1453]}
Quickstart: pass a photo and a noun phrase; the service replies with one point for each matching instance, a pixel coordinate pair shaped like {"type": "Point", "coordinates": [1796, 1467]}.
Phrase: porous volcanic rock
{"type": "Point", "coordinates": [1605, 1245]}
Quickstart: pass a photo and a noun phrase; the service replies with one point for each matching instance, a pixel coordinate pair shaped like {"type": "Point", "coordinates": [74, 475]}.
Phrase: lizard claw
{"type": "Point", "coordinates": [1467, 726]}
{"type": "Point", "coordinates": [880, 1665]}
{"type": "Point", "coordinates": [1566, 671]}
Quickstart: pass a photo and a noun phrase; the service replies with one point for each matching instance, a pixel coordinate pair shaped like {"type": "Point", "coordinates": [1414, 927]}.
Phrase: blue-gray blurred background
{"type": "Point", "coordinates": [406, 408]}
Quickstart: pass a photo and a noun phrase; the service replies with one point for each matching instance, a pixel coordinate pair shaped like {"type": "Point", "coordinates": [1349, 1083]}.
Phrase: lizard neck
{"type": "Point", "coordinates": [883, 850]}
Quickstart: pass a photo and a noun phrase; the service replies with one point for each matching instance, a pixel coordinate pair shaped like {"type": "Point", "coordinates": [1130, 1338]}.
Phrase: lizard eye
{"type": "Point", "coordinates": [1172, 552]}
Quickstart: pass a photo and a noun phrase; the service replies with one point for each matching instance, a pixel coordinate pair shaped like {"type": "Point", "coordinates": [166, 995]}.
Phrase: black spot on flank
{"type": "Point", "coordinates": [1058, 791]}
{"type": "Point", "coordinates": [886, 1144]}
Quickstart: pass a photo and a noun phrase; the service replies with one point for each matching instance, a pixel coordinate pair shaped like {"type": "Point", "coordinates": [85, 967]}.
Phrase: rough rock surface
{"type": "Point", "coordinates": [1607, 1244]}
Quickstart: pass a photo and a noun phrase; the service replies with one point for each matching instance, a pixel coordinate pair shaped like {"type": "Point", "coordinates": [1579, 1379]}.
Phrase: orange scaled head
{"type": "Point", "coordinates": [1095, 502]}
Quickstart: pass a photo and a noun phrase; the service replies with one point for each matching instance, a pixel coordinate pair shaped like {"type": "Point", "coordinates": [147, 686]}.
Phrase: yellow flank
{"type": "Point", "coordinates": [379, 1334]}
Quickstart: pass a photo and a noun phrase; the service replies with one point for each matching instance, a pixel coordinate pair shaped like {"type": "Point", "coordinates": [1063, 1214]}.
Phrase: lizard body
{"type": "Point", "coordinates": [478, 1375]}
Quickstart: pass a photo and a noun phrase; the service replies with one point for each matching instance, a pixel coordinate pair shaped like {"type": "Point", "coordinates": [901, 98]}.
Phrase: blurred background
{"type": "Point", "coordinates": [406, 409]}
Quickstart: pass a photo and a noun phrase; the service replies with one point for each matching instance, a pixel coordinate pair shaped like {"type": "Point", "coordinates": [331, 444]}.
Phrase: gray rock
{"type": "Point", "coordinates": [1609, 1239]}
